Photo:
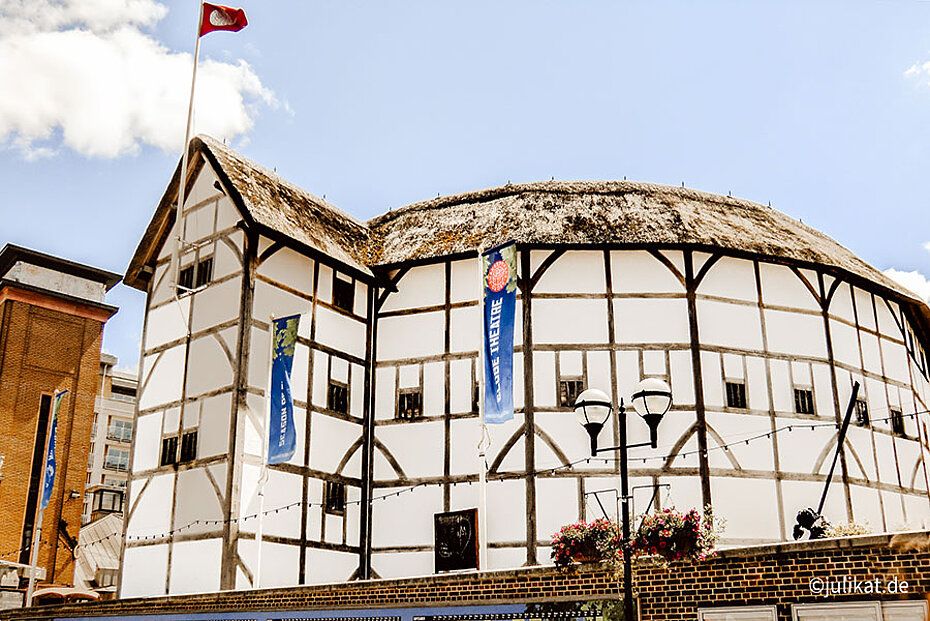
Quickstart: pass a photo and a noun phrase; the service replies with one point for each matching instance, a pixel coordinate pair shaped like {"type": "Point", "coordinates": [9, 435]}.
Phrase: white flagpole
{"type": "Point", "coordinates": [484, 442]}
{"type": "Point", "coordinates": [182, 184]}
{"type": "Point", "coordinates": [263, 477]}
{"type": "Point", "coordinates": [37, 534]}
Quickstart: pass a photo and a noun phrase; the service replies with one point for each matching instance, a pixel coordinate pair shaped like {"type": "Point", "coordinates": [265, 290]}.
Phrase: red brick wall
{"type": "Point", "coordinates": [753, 576]}
{"type": "Point", "coordinates": [43, 350]}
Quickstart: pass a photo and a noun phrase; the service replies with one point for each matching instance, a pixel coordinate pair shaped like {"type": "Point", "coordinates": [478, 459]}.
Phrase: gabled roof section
{"type": "Point", "coordinates": [275, 206]}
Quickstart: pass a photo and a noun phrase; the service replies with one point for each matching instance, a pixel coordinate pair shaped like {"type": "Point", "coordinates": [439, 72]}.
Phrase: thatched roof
{"type": "Point", "coordinates": [266, 201]}
{"type": "Point", "coordinates": [612, 213]}
{"type": "Point", "coordinates": [618, 214]}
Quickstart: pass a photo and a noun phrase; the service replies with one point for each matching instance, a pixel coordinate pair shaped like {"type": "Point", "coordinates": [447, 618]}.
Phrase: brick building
{"type": "Point", "coordinates": [52, 313]}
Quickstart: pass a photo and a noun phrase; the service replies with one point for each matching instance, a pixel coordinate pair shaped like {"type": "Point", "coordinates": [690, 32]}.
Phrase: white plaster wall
{"type": "Point", "coordinates": [143, 571]}
{"type": "Point", "coordinates": [418, 524]}
{"type": "Point", "coordinates": [730, 278]}
{"type": "Point", "coordinates": [795, 334]}
{"type": "Point", "coordinates": [637, 271]}
{"type": "Point", "coordinates": [147, 442]}
{"type": "Point", "coordinates": [150, 505]}
{"type": "Point", "coordinates": [729, 325]}
{"type": "Point", "coordinates": [167, 323]}
{"type": "Point", "coordinates": [569, 321]}
{"type": "Point", "coordinates": [195, 566]}
{"type": "Point", "coordinates": [410, 336]}
{"type": "Point", "coordinates": [421, 286]}
{"type": "Point", "coordinates": [417, 446]}
{"type": "Point", "coordinates": [289, 268]}
{"type": "Point", "coordinates": [330, 440]}
{"type": "Point", "coordinates": [576, 271]}
{"type": "Point", "coordinates": [161, 378]}
{"type": "Point", "coordinates": [651, 321]}
{"type": "Point", "coordinates": [340, 332]}
{"type": "Point", "coordinates": [325, 566]}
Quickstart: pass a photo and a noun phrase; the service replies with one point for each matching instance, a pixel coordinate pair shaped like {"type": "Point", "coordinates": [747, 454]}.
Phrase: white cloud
{"type": "Point", "coordinates": [915, 281]}
{"type": "Point", "coordinates": [87, 76]}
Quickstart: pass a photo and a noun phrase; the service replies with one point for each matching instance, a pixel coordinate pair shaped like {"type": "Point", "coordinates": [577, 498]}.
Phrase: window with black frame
{"type": "Point", "coordinates": [337, 399]}
{"type": "Point", "coordinates": [569, 389]}
{"type": "Point", "coordinates": [803, 400]}
{"type": "Point", "coordinates": [736, 394]}
{"type": "Point", "coordinates": [862, 412]}
{"type": "Point", "coordinates": [410, 403]}
{"type": "Point", "coordinates": [169, 451]}
{"type": "Point", "coordinates": [335, 498]}
{"type": "Point", "coordinates": [343, 294]}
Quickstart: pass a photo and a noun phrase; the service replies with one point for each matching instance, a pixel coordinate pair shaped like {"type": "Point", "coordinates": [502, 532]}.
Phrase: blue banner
{"type": "Point", "coordinates": [49, 482]}
{"type": "Point", "coordinates": [499, 270]}
{"type": "Point", "coordinates": [282, 434]}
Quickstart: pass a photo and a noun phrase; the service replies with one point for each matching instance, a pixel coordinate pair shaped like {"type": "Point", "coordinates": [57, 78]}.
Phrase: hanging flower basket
{"type": "Point", "coordinates": [671, 535]}
{"type": "Point", "coordinates": [587, 542]}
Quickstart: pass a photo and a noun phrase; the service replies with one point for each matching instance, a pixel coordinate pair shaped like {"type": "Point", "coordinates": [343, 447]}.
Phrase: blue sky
{"type": "Point", "coordinates": [821, 108]}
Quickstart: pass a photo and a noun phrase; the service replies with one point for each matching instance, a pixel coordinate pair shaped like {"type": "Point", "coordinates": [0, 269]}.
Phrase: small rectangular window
{"type": "Point", "coordinates": [169, 451]}
{"type": "Point", "coordinates": [410, 403]}
{"type": "Point", "coordinates": [343, 294]}
{"type": "Point", "coordinates": [736, 395]}
{"type": "Point", "coordinates": [862, 413]}
{"type": "Point", "coordinates": [116, 459]}
{"type": "Point", "coordinates": [186, 278]}
{"type": "Point", "coordinates": [476, 398]}
{"type": "Point", "coordinates": [188, 446]}
{"type": "Point", "coordinates": [569, 389]}
{"type": "Point", "coordinates": [338, 398]}
{"type": "Point", "coordinates": [803, 400]}
{"type": "Point", "coordinates": [335, 500]}
{"type": "Point", "coordinates": [897, 422]}
{"type": "Point", "coordinates": [204, 272]}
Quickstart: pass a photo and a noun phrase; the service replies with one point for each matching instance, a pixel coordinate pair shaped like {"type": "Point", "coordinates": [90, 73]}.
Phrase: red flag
{"type": "Point", "coordinates": [216, 17]}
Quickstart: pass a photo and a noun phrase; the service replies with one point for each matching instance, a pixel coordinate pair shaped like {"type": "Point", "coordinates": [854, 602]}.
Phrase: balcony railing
{"type": "Point", "coordinates": [118, 466]}
{"type": "Point", "coordinates": [120, 434]}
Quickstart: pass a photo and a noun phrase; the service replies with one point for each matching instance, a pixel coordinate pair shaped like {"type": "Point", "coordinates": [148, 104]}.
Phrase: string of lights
{"type": "Point", "coordinates": [812, 426]}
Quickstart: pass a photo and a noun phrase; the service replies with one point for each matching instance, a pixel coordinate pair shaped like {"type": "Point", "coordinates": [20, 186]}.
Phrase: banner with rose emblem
{"type": "Point", "coordinates": [499, 269]}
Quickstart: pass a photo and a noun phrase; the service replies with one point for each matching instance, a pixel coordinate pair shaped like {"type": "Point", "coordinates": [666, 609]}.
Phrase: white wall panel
{"type": "Point", "coordinates": [576, 271]}
{"type": "Point", "coordinates": [209, 368]}
{"type": "Point", "coordinates": [681, 377]}
{"type": "Point", "coordinates": [167, 323]}
{"type": "Point", "coordinates": [841, 304]}
{"type": "Point", "coordinates": [144, 570]}
{"type": "Point", "coordinates": [289, 268]}
{"type": "Point", "coordinates": [465, 332]}
{"type": "Point", "coordinates": [746, 520]}
{"type": "Point", "coordinates": [414, 509]}
{"type": "Point", "coordinates": [651, 321]}
{"type": "Point", "coordinates": [569, 321]}
{"type": "Point", "coordinates": [396, 565]}
{"type": "Point", "coordinates": [461, 386]}
{"type": "Point", "coordinates": [330, 439]}
{"type": "Point", "coordinates": [147, 442]}
{"type": "Point", "coordinates": [151, 509]}
{"type": "Point", "coordinates": [730, 278]}
{"type": "Point", "coordinates": [557, 505]}
{"type": "Point", "coordinates": [214, 305]}
{"type": "Point", "coordinates": [197, 500]}
{"type": "Point", "coordinates": [782, 287]}
{"type": "Point", "coordinates": [416, 446]}
{"type": "Point", "coordinates": [465, 282]}
{"type": "Point", "coordinates": [794, 333]}
{"type": "Point", "coordinates": [509, 501]}
{"type": "Point", "coordinates": [637, 271]}
{"type": "Point", "coordinates": [324, 566]}
{"type": "Point", "coordinates": [271, 300]}
{"type": "Point", "coordinates": [162, 374]}
{"type": "Point", "coordinates": [421, 286]}
{"type": "Point", "coordinates": [410, 336]}
{"type": "Point", "coordinates": [729, 325]}
{"type": "Point", "coordinates": [545, 383]}
{"type": "Point", "coordinates": [434, 381]}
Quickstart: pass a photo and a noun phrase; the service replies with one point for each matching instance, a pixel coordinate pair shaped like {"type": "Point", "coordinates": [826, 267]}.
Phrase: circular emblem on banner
{"type": "Point", "coordinates": [220, 18]}
{"type": "Point", "coordinates": [498, 276]}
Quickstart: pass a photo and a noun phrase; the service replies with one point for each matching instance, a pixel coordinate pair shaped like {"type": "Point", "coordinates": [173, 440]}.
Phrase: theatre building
{"type": "Point", "coordinates": [759, 324]}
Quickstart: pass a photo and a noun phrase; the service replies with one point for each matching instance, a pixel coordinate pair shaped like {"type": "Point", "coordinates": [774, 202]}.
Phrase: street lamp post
{"type": "Point", "coordinates": [652, 398]}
